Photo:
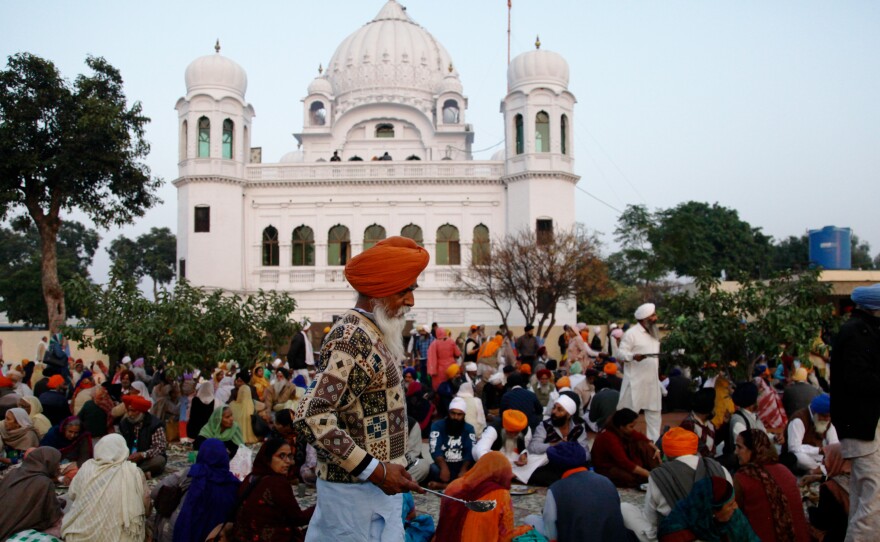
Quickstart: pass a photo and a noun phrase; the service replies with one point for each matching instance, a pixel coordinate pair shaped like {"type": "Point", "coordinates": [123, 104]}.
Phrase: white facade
{"type": "Point", "coordinates": [390, 87]}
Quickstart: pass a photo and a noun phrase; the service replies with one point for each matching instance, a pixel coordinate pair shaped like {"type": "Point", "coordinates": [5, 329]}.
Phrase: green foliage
{"type": "Point", "coordinates": [21, 292]}
{"type": "Point", "coordinates": [151, 255]}
{"type": "Point", "coordinates": [188, 326]}
{"type": "Point", "coordinates": [715, 326]}
{"type": "Point", "coordinates": [861, 254]}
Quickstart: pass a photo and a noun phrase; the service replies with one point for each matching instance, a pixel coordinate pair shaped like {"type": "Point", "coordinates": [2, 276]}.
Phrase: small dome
{"type": "Point", "coordinates": [498, 155]}
{"type": "Point", "coordinates": [293, 157]}
{"type": "Point", "coordinates": [216, 72]}
{"type": "Point", "coordinates": [320, 85]}
{"type": "Point", "coordinates": [537, 67]}
{"type": "Point", "coordinates": [450, 83]}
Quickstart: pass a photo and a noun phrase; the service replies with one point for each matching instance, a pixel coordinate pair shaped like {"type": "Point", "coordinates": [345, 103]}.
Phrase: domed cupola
{"type": "Point", "coordinates": [216, 75]}
{"type": "Point", "coordinates": [537, 68]}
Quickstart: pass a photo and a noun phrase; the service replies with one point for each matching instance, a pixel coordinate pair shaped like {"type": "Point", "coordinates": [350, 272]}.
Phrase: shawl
{"type": "Point", "coordinates": [211, 496]}
{"type": "Point", "coordinates": [724, 406]}
{"type": "Point", "coordinates": [695, 513]}
{"type": "Point", "coordinates": [70, 449]}
{"type": "Point", "coordinates": [441, 353]}
{"type": "Point", "coordinates": [490, 474]}
{"type": "Point", "coordinates": [32, 490]}
{"type": "Point", "coordinates": [41, 423]}
{"type": "Point", "coordinates": [106, 497]}
{"type": "Point", "coordinates": [770, 410]}
{"type": "Point", "coordinates": [205, 392]}
{"type": "Point", "coordinates": [259, 382]}
{"type": "Point", "coordinates": [141, 388]}
{"type": "Point", "coordinates": [212, 429]}
{"type": "Point", "coordinates": [242, 410]}
{"type": "Point", "coordinates": [763, 453]}
{"type": "Point", "coordinates": [224, 390]}
{"type": "Point", "coordinates": [22, 438]}
{"type": "Point", "coordinates": [489, 348]}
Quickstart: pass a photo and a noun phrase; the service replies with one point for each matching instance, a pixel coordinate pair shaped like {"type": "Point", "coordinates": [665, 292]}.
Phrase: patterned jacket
{"type": "Point", "coordinates": [355, 410]}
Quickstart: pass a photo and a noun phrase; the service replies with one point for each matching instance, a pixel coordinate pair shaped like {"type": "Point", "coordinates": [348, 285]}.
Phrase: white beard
{"type": "Point", "coordinates": [653, 330]}
{"type": "Point", "coordinates": [392, 329]}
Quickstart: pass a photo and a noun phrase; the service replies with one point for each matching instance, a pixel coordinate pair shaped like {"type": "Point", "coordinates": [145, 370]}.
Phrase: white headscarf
{"type": "Point", "coordinates": [142, 388]}
{"type": "Point", "coordinates": [224, 391]}
{"type": "Point", "coordinates": [107, 496]}
{"type": "Point", "coordinates": [21, 417]}
{"type": "Point", "coordinates": [465, 390]}
{"type": "Point", "coordinates": [205, 392]}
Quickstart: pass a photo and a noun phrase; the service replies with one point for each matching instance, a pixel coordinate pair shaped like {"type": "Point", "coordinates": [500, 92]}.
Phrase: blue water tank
{"type": "Point", "coordinates": [830, 248]}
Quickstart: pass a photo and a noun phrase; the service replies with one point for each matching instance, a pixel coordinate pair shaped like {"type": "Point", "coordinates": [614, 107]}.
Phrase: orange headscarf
{"type": "Point", "coordinates": [489, 348]}
{"type": "Point", "coordinates": [389, 267]}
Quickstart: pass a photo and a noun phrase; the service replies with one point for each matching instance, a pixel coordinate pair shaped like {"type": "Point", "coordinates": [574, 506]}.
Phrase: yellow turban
{"type": "Point", "coordinates": [451, 371]}
{"type": "Point", "coordinates": [514, 421]}
{"type": "Point", "coordinates": [678, 442]}
{"type": "Point", "coordinates": [389, 267]}
{"type": "Point", "coordinates": [563, 382]}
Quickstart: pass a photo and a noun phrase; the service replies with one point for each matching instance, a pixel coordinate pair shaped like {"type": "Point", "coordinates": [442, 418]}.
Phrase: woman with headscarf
{"type": "Point", "coordinates": [258, 381]}
{"type": "Point", "coordinates": [269, 511]}
{"type": "Point", "coordinates": [242, 410]}
{"type": "Point", "coordinates": [108, 498]}
{"type": "Point", "coordinates": [831, 514]}
{"type": "Point", "coordinates": [419, 407]}
{"type": "Point", "coordinates": [767, 492]}
{"type": "Point", "coordinates": [31, 490]}
{"type": "Point", "coordinates": [201, 408]}
{"type": "Point", "coordinates": [441, 355]}
{"type": "Point", "coordinates": [224, 390]}
{"type": "Point", "coordinates": [82, 392]}
{"type": "Point", "coordinates": [17, 434]}
{"type": "Point", "coordinates": [207, 496]}
{"type": "Point", "coordinates": [96, 414]}
{"type": "Point", "coordinates": [139, 371]}
{"type": "Point", "coordinates": [488, 480]}
{"type": "Point", "coordinates": [71, 440]}
{"type": "Point", "coordinates": [221, 426]}
{"type": "Point", "coordinates": [622, 454]}
{"type": "Point", "coordinates": [709, 513]}
{"type": "Point", "coordinates": [34, 408]}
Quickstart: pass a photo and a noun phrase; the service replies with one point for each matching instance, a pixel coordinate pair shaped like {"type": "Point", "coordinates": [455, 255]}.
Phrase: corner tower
{"type": "Point", "coordinates": [538, 125]}
{"type": "Point", "coordinates": [214, 126]}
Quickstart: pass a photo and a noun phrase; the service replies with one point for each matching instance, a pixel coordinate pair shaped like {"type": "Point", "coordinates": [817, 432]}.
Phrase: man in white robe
{"type": "Point", "coordinates": [641, 381]}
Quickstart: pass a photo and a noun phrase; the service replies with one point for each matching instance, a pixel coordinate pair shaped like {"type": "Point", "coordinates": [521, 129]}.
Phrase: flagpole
{"type": "Point", "coordinates": [509, 6]}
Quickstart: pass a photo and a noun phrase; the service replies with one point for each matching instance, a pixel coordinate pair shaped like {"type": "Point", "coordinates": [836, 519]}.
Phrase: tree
{"type": "Point", "coordinates": [635, 263]}
{"type": "Point", "coordinates": [20, 286]}
{"type": "Point", "coordinates": [792, 254]}
{"type": "Point", "coordinates": [698, 240]}
{"type": "Point", "coordinates": [69, 146]}
{"type": "Point", "coordinates": [731, 328]}
{"type": "Point", "coordinates": [861, 254]}
{"type": "Point", "coordinates": [187, 326]}
{"type": "Point", "coordinates": [535, 277]}
{"type": "Point", "coordinates": [151, 255]}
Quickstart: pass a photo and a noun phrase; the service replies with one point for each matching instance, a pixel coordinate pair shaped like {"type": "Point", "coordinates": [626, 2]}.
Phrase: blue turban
{"type": "Point", "coordinates": [867, 297]}
{"type": "Point", "coordinates": [760, 369]}
{"type": "Point", "coordinates": [567, 455]}
{"type": "Point", "coordinates": [299, 381]}
{"type": "Point", "coordinates": [745, 394]}
{"type": "Point", "coordinates": [410, 371]}
{"type": "Point", "coordinates": [821, 404]}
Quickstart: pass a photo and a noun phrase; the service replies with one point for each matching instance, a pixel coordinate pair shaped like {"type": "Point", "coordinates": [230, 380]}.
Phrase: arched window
{"type": "Point", "coordinates": [204, 137]}
{"type": "Point", "coordinates": [227, 139]}
{"type": "Point", "coordinates": [542, 132]}
{"type": "Point", "coordinates": [563, 134]}
{"type": "Point", "coordinates": [448, 249]}
{"type": "Point", "coordinates": [450, 112]}
{"type": "Point", "coordinates": [318, 114]}
{"type": "Point", "coordinates": [338, 245]}
{"type": "Point", "coordinates": [270, 246]}
{"type": "Point", "coordinates": [520, 137]}
{"type": "Point", "coordinates": [385, 130]}
{"type": "Point", "coordinates": [372, 235]}
{"type": "Point", "coordinates": [303, 246]}
{"type": "Point", "coordinates": [183, 140]}
{"type": "Point", "coordinates": [411, 231]}
{"type": "Point", "coordinates": [480, 248]}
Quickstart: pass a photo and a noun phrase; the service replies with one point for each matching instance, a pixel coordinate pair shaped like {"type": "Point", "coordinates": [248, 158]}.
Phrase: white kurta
{"type": "Point", "coordinates": [641, 382]}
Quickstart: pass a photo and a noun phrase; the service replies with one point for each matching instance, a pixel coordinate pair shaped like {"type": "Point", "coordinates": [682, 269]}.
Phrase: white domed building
{"type": "Point", "coordinates": [385, 150]}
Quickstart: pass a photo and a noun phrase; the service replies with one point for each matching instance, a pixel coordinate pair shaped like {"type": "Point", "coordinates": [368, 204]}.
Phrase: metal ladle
{"type": "Point", "coordinates": [476, 506]}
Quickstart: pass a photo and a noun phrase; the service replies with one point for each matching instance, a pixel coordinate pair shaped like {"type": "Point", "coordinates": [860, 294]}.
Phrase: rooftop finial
{"type": "Point", "coordinates": [537, 42]}
{"type": "Point", "coordinates": [320, 69]}
{"type": "Point", "coordinates": [450, 67]}
{"type": "Point", "coordinates": [217, 46]}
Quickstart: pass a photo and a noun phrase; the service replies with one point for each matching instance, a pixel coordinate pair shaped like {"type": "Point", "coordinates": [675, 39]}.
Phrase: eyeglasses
{"type": "Point", "coordinates": [285, 457]}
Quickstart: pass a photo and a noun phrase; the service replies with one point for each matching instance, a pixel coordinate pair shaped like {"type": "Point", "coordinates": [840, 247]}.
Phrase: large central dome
{"type": "Point", "coordinates": [388, 54]}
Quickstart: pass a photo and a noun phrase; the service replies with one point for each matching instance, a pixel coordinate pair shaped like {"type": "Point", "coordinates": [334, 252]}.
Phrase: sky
{"type": "Point", "coordinates": [769, 108]}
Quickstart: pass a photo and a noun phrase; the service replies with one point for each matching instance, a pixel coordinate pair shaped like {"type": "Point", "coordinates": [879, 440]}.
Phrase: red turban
{"type": "Point", "coordinates": [5, 382]}
{"type": "Point", "coordinates": [544, 372]}
{"type": "Point", "coordinates": [137, 403]}
{"type": "Point", "coordinates": [388, 268]}
{"type": "Point", "coordinates": [55, 381]}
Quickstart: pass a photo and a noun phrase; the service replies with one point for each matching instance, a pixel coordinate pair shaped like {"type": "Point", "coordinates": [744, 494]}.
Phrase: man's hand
{"type": "Point", "coordinates": [639, 357]}
{"type": "Point", "coordinates": [522, 461]}
{"type": "Point", "coordinates": [445, 475]}
{"type": "Point", "coordinates": [135, 457]}
{"type": "Point", "coordinates": [397, 479]}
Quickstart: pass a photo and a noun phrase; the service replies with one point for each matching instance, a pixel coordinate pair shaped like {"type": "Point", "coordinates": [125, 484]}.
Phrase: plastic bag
{"type": "Point", "coordinates": [242, 463]}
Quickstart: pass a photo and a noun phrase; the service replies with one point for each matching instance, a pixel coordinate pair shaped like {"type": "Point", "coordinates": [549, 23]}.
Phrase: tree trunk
{"type": "Point", "coordinates": [52, 292]}
{"type": "Point", "coordinates": [155, 290]}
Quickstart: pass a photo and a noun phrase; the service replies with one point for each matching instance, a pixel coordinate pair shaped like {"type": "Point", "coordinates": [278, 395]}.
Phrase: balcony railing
{"type": "Point", "coordinates": [374, 171]}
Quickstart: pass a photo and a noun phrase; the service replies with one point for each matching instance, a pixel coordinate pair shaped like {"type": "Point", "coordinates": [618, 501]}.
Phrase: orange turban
{"type": "Point", "coordinates": [678, 442]}
{"type": "Point", "coordinates": [55, 381]}
{"type": "Point", "coordinates": [514, 421]}
{"type": "Point", "coordinates": [137, 403]}
{"type": "Point", "coordinates": [610, 368]}
{"type": "Point", "coordinates": [563, 382]}
{"type": "Point", "coordinates": [525, 369]}
{"type": "Point", "coordinates": [388, 268]}
{"type": "Point", "coordinates": [451, 371]}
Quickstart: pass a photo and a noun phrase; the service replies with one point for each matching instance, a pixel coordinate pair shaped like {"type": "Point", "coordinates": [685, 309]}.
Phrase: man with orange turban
{"type": "Point", "coordinates": [510, 435]}
{"type": "Point", "coordinates": [671, 482]}
{"type": "Point", "coordinates": [609, 377]}
{"type": "Point", "coordinates": [355, 411]}
{"type": "Point", "coordinates": [54, 400]}
{"type": "Point", "coordinates": [144, 434]}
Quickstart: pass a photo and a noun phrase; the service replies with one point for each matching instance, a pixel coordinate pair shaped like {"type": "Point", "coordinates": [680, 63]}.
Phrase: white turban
{"type": "Point", "coordinates": [126, 360]}
{"type": "Point", "coordinates": [581, 326]}
{"type": "Point", "coordinates": [460, 404]}
{"type": "Point", "coordinates": [645, 311]}
{"type": "Point", "coordinates": [426, 329]}
{"type": "Point", "coordinates": [496, 378]}
{"type": "Point", "coordinates": [277, 363]}
{"type": "Point", "coordinates": [470, 366]}
{"type": "Point", "coordinates": [306, 325]}
{"type": "Point", "coordinates": [567, 403]}
{"type": "Point", "coordinates": [597, 330]}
